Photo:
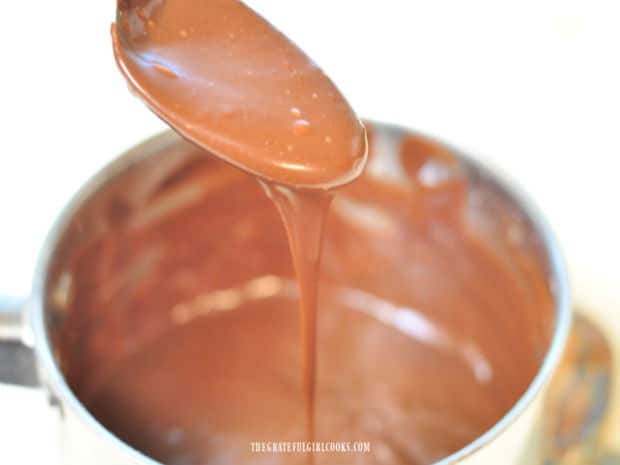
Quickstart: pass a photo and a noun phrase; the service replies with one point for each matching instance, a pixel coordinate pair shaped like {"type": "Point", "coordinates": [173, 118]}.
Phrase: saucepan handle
{"type": "Point", "coordinates": [17, 359]}
{"type": "Point", "coordinates": [579, 400]}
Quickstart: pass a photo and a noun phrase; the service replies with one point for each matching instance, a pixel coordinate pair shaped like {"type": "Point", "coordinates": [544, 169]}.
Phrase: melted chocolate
{"type": "Point", "coordinates": [215, 265]}
{"type": "Point", "coordinates": [177, 285]}
{"type": "Point", "coordinates": [226, 79]}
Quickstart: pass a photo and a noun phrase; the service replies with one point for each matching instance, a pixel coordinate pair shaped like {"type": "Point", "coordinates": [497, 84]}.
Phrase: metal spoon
{"type": "Point", "coordinates": [224, 78]}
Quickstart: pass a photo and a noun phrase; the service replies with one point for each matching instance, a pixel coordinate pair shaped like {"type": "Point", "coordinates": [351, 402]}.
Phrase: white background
{"type": "Point", "coordinates": [531, 86]}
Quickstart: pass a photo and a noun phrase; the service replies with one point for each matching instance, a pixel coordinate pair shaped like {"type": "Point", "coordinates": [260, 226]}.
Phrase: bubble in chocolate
{"type": "Point", "coordinates": [301, 127]}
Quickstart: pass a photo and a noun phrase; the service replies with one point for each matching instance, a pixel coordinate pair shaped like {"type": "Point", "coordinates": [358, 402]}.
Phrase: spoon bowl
{"type": "Point", "coordinates": [224, 78]}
